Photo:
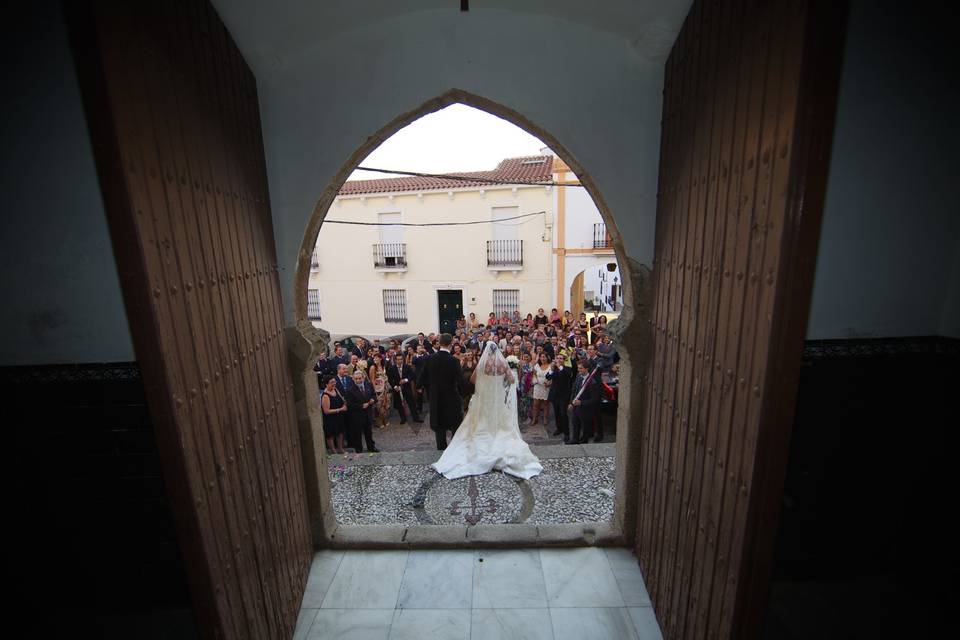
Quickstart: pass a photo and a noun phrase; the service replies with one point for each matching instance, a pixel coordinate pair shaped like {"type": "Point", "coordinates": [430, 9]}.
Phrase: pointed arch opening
{"type": "Point", "coordinates": [307, 341]}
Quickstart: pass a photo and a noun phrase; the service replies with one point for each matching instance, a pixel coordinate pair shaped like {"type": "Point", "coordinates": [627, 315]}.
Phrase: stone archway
{"type": "Point", "coordinates": [629, 333]}
{"type": "Point", "coordinates": [575, 281]}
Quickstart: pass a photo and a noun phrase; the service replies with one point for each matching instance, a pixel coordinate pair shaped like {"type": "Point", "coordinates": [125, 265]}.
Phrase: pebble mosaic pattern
{"type": "Point", "coordinates": [499, 500]}
{"type": "Point", "coordinates": [569, 490]}
{"type": "Point", "coordinates": [377, 494]}
{"type": "Point", "coordinates": [573, 490]}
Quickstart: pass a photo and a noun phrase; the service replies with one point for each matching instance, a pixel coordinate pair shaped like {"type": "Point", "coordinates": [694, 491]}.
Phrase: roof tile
{"type": "Point", "coordinates": [521, 170]}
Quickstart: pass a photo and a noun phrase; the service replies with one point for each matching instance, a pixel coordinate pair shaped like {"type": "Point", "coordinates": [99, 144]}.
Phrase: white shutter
{"type": "Point", "coordinates": [505, 230]}
{"type": "Point", "coordinates": [392, 234]}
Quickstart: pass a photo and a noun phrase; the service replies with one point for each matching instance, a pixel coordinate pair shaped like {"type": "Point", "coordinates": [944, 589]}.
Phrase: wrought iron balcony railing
{"type": "Point", "coordinates": [504, 253]}
{"type": "Point", "coordinates": [390, 255]}
{"type": "Point", "coordinates": [601, 239]}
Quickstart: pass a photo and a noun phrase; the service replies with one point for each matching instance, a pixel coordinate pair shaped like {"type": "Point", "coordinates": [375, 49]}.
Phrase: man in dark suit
{"type": "Point", "coordinates": [575, 340]}
{"type": "Point", "coordinates": [358, 348]}
{"type": "Point", "coordinates": [339, 356]}
{"type": "Point", "coordinates": [324, 368]}
{"type": "Point", "coordinates": [607, 354]}
{"type": "Point", "coordinates": [343, 379]}
{"type": "Point", "coordinates": [585, 407]}
{"type": "Point", "coordinates": [360, 400]}
{"type": "Point", "coordinates": [422, 341]}
{"type": "Point", "coordinates": [400, 377]}
{"type": "Point", "coordinates": [595, 320]}
{"type": "Point", "coordinates": [561, 378]}
{"type": "Point", "coordinates": [419, 360]}
{"type": "Point", "coordinates": [444, 385]}
{"type": "Point", "coordinates": [592, 360]}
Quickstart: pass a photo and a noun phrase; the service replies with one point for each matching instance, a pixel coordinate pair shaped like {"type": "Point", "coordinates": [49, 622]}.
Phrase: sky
{"type": "Point", "coordinates": [457, 138]}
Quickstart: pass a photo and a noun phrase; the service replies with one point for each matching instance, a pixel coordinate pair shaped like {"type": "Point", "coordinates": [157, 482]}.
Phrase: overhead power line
{"type": "Point", "coordinates": [447, 176]}
{"type": "Point", "coordinates": [431, 224]}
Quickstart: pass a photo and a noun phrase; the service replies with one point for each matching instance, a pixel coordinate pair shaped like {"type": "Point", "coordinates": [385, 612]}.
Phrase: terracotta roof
{"type": "Point", "coordinates": [513, 170]}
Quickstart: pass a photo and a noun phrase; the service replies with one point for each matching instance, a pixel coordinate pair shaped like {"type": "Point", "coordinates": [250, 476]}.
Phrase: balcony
{"type": "Point", "coordinates": [505, 255]}
{"type": "Point", "coordinates": [601, 239]}
{"type": "Point", "coordinates": [391, 256]}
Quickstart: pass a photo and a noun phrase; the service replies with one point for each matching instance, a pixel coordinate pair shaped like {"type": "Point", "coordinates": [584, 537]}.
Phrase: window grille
{"type": "Point", "coordinates": [314, 261]}
{"type": "Point", "coordinates": [394, 305]}
{"type": "Point", "coordinates": [313, 304]}
{"type": "Point", "coordinates": [506, 301]}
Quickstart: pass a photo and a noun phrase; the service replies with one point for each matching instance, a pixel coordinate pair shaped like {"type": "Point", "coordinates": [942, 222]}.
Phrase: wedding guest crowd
{"type": "Point", "coordinates": [564, 365]}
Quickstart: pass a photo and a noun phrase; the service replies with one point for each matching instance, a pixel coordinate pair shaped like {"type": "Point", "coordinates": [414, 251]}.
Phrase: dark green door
{"type": "Point", "coordinates": [450, 306]}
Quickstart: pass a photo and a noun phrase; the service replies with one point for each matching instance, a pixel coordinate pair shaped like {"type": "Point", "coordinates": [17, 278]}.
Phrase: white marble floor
{"type": "Point", "coordinates": [583, 594]}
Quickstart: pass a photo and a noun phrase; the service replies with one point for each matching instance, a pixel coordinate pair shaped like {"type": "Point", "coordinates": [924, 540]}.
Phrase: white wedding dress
{"type": "Point", "coordinates": [489, 436]}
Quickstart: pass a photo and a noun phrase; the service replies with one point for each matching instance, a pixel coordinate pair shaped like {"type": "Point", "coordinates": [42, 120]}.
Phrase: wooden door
{"type": "Point", "coordinates": [749, 98]}
{"type": "Point", "coordinates": [174, 120]}
{"type": "Point", "coordinates": [576, 296]}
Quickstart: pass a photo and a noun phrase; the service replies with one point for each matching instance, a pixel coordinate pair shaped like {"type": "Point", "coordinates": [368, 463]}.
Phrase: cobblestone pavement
{"type": "Point", "coordinates": [419, 437]}
{"type": "Point", "coordinates": [577, 485]}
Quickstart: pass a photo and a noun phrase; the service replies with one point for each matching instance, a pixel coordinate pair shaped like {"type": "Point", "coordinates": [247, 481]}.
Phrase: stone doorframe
{"type": "Point", "coordinates": [630, 333]}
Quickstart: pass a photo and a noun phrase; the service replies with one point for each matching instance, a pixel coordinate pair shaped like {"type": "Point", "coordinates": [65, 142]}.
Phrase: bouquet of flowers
{"type": "Point", "coordinates": [513, 362]}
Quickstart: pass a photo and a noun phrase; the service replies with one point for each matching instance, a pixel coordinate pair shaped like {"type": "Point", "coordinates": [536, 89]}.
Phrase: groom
{"type": "Point", "coordinates": [443, 381]}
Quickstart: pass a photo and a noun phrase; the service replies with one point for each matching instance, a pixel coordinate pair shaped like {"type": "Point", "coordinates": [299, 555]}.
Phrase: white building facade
{"type": "Point", "coordinates": [583, 249]}
{"type": "Point", "coordinates": [394, 257]}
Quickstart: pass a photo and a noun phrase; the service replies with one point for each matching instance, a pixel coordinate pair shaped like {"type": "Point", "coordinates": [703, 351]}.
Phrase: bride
{"type": "Point", "coordinates": [489, 436]}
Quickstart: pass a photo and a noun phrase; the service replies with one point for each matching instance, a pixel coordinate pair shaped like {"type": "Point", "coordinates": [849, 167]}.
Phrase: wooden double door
{"type": "Point", "coordinates": [749, 98]}
{"type": "Point", "coordinates": [173, 115]}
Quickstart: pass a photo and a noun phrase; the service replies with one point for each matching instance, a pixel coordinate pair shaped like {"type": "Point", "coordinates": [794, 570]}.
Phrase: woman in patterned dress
{"type": "Point", "coordinates": [525, 389]}
{"type": "Point", "coordinates": [378, 378]}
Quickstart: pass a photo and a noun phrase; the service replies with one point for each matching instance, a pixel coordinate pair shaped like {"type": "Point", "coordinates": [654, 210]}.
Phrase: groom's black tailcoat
{"type": "Point", "coordinates": [441, 378]}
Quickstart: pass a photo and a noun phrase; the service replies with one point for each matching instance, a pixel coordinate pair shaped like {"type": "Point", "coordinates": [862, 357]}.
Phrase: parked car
{"type": "Point", "coordinates": [406, 339]}
{"type": "Point", "coordinates": [610, 394]}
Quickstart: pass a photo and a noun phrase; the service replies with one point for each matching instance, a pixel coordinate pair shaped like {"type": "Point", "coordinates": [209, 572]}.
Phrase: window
{"type": "Point", "coordinates": [394, 305]}
{"type": "Point", "coordinates": [503, 227]}
{"type": "Point", "coordinates": [390, 230]}
{"type": "Point", "coordinates": [506, 301]}
{"type": "Point", "coordinates": [314, 261]}
{"type": "Point", "coordinates": [313, 304]}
